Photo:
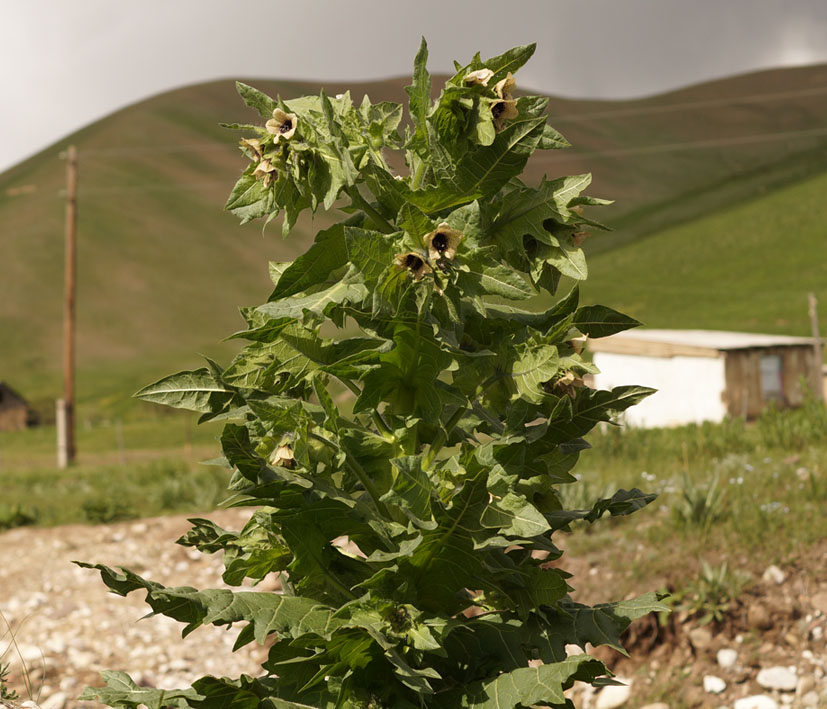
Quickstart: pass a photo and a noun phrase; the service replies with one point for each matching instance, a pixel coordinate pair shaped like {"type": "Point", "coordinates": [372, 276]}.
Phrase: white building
{"type": "Point", "coordinates": [703, 375]}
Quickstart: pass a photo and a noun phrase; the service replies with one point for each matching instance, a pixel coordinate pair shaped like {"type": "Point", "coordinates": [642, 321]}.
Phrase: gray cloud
{"type": "Point", "coordinates": [63, 65]}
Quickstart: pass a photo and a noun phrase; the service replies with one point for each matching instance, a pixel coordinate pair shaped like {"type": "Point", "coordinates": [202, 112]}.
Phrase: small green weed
{"type": "Point", "coordinates": [710, 595]}
{"type": "Point", "coordinates": [700, 505]}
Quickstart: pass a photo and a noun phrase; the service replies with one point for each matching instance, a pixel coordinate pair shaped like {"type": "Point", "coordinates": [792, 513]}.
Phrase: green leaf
{"type": "Point", "coordinates": [196, 390]}
{"type": "Point", "coordinates": [532, 368]}
{"type": "Point", "coordinates": [348, 289]}
{"type": "Point", "coordinates": [289, 616]}
{"type": "Point", "coordinates": [528, 686]}
{"type": "Point", "coordinates": [312, 268]}
{"type": "Point", "coordinates": [485, 276]}
{"type": "Point", "coordinates": [526, 210]}
{"type": "Point", "coordinates": [411, 489]}
{"type": "Point", "coordinates": [419, 93]}
{"type": "Point", "coordinates": [509, 61]}
{"type": "Point", "coordinates": [121, 692]}
{"type": "Point", "coordinates": [602, 624]}
{"type": "Point", "coordinates": [514, 516]}
{"type": "Point", "coordinates": [600, 321]}
{"type": "Point", "coordinates": [251, 199]}
{"type": "Point", "coordinates": [256, 99]}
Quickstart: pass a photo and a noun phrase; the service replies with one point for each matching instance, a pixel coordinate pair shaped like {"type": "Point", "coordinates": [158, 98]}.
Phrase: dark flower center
{"type": "Point", "coordinates": [286, 126]}
{"type": "Point", "coordinates": [497, 109]}
{"type": "Point", "coordinates": [440, 242]}
{"type": "Point", "coordinates": [413, 262]}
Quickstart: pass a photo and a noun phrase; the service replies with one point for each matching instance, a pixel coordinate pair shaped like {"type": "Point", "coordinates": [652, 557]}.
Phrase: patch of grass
{"type": "Point", "coordinates": [106, 493]}
{"type": "Point", "coordinates": [747, 495]}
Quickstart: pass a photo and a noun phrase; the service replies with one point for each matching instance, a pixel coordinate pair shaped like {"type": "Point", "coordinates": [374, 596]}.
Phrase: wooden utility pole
{"type": "Point", "coordinates": [68, 429]}
{"type": "Point", "coordinates": [819, 385]}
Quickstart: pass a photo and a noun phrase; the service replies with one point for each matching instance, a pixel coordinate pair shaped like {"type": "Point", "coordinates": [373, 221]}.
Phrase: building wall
{"type": "Point", "coordinates": [745, 396]}
{"type": "Point", "coordinates": [690, 389]}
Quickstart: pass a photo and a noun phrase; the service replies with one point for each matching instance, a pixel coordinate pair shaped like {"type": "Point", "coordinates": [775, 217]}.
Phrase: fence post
{"type": "Point", "coordinates": [62, 439]}
{"type": "Point", "coordinates": [818, 389]}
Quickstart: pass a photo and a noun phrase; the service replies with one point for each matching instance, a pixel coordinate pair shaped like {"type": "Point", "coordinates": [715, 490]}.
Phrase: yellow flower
{"type": "Point", "coordinates": [253, 145]}
{"type": "Point", "coordinates": [505, 87]}
{"type": "Point", "coordinates": [281, 125]}
{"type": "Point", "coordinates": [413, 263]}
{"type": "Point", "coordinates": [266, 172]}
{"type": "Point", "coordinates": [568, 384]}
{"type": "Point", "coordinates": [502, 111]}
{"type": "Point", "coordinates": [480, 76]}
{"type": "Point", "coordinates": [283, 457]}
{"type": "Point", "coordinates": [442, 242]}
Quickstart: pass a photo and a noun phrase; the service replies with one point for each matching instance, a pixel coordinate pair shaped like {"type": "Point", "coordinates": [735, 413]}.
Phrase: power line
{"type": "Point", "coordinates": [690, 105]}
{"type": "Point", "coordinates": [159, 149]}
{"type": "Point", "coordinates": [696, 144]}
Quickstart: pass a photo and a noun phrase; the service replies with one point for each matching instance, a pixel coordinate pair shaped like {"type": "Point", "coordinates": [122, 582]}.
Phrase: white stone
{"type": "Point", "coordinates": [772, 574]}
{"type": "Point", "coordinates": [780, 678]}
{"type": "Point", "coordinates": [805, 684]}
{"type": "Point", "coordinates": [757, 701]}
{"type": "Point", "coordinates": [614, 696]}
{"type": "Point", "coordinates": [727, 657]}
{"type": "Point", "coordinates": [56, 701]}
{"type": "Point", "coordinates": [656, 705]}
{"type": "Point", "coordinates": [29, 704]}
{"type": "Point", "coordinates": [713, 684]}
{"type": "Point", "coordinates": [809, 700]}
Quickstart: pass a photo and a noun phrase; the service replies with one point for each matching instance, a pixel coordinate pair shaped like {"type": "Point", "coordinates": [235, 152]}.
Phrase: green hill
{"type": "Point", "coordinates": [162, 268]}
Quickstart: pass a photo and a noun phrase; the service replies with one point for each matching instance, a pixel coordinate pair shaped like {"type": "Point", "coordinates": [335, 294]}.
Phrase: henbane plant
{"type": "Point", "coordinates": [411, 524]}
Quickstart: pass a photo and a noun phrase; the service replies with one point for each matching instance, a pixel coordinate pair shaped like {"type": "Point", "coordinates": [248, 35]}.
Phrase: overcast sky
{"type": "Point", "coordinates": [64, 64]}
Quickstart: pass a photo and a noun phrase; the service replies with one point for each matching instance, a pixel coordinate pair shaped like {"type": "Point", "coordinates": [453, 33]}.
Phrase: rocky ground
{"type": "Point", "coordinates": [769, 653]}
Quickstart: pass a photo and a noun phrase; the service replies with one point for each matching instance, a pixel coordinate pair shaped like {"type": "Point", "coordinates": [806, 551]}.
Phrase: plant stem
{"type": "Point", "coordinates": [364, 478]}
{"type": "Point", "coordinates": [442, 436]}
{"type": "Point", "coordinates": [358, 201]}
{"type": "Point", "coordinates": [416, 180]}
{"type": "Point", "coordinates": [381, 425]}
{"type": "Point", "coordinates": [357, 469]}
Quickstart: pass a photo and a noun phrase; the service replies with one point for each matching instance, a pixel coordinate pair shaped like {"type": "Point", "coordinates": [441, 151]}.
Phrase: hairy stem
{"type": "Point", "coordinates": [442, 436]}
{"type": "Point", "coordinates": [360, 202]}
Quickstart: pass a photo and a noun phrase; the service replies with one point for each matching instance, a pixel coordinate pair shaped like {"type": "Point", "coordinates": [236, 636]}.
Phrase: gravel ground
{"type": "Point", "coordinates": [68, 627]}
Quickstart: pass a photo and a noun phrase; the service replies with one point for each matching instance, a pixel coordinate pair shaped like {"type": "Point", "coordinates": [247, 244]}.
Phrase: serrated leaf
{"type": "Point", "coordinates": [121, 692]}
{"type": "Point", "coordinates": [529, 686]}
{"type": "Point", "coordinates": [515, 516]}
{"type": "Point", "coordinates": [532, 368]}
{"type": "Point", "coordinates": [289, 616]}
{"type": "Point", "coordinates": [196, 390]}
{"type": "Point", "coordinates": [313, 267]}
{"type": "Point", "coordinates": [254, 98]}
{"type": "Point", "coordinates": [412, 488]}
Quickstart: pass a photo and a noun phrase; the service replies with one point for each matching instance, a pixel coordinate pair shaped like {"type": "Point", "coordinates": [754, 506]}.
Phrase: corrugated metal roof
{"type": "Point", "coordinates": [703, 343]}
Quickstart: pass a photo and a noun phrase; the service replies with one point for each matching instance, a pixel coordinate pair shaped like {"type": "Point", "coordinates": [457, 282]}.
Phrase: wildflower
{"type": "Point", "coordinates": [505, 88]}
{"type": "Point", "coordinates": [502, 111]}
{"type": "Point", "coordinates": [506, 107]}
{"type": "Point", "coordinates": [442, 242]}
{"type": "Point", "coordinates": [253, 145]}
{"type": "Point", "coordinates": [266, 172]}
{"type": "Point", "coordinates": [413, 263]}
{"type": "Point", "coordinates": [283, 457]}
{"type": "Point", "coordinates": [281, 125]}
{"type": "Point", "coordinates": [568, 384]}
{"type": "Point", "coordinates": [578, 344]}
{"type": "Point", "coordinates": [480, 76]}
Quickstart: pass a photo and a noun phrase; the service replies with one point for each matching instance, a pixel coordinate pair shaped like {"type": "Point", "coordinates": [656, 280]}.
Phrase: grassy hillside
{"type": "Point", "coordinates": [162, 268]}
{"type": "Point", "coordinates": [749, 267]}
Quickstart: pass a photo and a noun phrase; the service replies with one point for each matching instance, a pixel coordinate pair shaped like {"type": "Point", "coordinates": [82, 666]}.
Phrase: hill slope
{"type": "Point", "coordinates": [162, 268]}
